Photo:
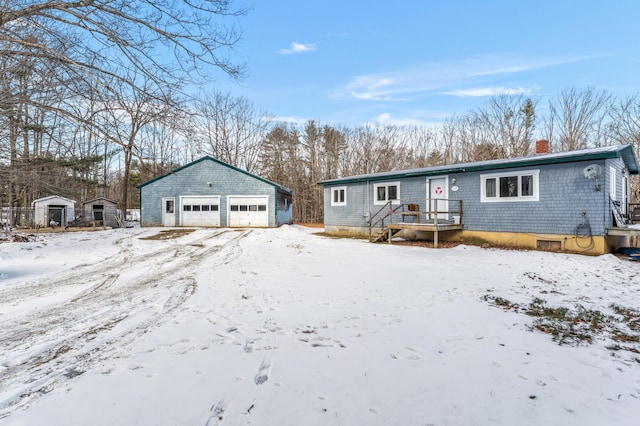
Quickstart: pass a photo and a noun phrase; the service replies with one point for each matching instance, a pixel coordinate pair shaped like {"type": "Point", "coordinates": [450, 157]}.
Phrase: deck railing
{"type": "Point", "coordinates": [425, 211]}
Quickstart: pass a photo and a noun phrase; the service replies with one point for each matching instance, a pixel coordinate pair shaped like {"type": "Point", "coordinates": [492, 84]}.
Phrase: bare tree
{"type": "Point", "coordinates": [126, 113]}
{"type": "Point", "coordinates": [574, 118]}
{"type": "Point", "coordinates": [510, 123]}
{"type": "Point", "coordinates": [231, 129]}
{"type": "Point", "coordinates": [61, 60]}
{"type": "Point", "coordinates": [625, 129]}
{"type": "Point", "coordinates": [469, 138]}
{"type": "Point", "coordinates": [422, 146]}
{"type": "Point", "coordinates": [33, 136]}
{"type": "Point", "coordinates": [109, 36]}
{"type": "Point", "coordinates": [376, 148]}
{"type": "Point", "coordinates": [625, 121]}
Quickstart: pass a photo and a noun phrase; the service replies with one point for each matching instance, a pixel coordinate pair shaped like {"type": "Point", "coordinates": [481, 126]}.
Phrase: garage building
{"type": "Point", "coordinates": [211, 193]}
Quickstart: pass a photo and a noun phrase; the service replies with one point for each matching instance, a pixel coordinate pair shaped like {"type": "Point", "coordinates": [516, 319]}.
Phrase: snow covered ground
{"type": "Point", "coordinates": [284, 327]}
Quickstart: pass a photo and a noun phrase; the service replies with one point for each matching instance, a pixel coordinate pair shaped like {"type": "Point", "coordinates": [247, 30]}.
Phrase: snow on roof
{"type": "Point", "coordinates": [623, 151]}
{"type": "Point", "coordinates": [53, 197]}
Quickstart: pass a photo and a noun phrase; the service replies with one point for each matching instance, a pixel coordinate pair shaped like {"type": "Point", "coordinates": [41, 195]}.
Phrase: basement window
{"type": "Point", "coordinates": [339, 196]}
{"type": "Point", "coordinates": [549, 245]}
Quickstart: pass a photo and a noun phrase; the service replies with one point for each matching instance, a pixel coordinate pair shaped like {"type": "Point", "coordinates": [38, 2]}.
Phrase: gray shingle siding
{"type": "Point", "coordinates": [193, 180]}
{"type": "Point", "coordinates": [564, 195]}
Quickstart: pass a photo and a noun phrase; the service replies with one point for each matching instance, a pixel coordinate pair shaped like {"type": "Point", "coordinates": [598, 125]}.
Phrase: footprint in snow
{"type": "Point", "coordinates": [322, 342]}
{"type": "Point", "coordinates": [217, 413]}
{"type": "Point", "coordinates": [413, 354]}
{"type": "Point", "coordinates": [263, 372]}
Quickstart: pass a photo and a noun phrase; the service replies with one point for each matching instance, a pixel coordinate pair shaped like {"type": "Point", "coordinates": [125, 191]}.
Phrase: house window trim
{"type": "Point", "coordinates": [613, 178]}
{"type": "Point", "coordinates": [519, 199]}
{"type": "Point", "coordinates": [339, 203]}
{"type": "Point", "coordinates": [387, 185]}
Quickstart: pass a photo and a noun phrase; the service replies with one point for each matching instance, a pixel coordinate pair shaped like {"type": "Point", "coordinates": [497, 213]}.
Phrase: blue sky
{"type": "Point", "coordinates": [420, 62]}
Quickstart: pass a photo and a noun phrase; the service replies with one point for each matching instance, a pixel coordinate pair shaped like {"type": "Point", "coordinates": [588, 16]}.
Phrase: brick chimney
{"type": "Point", "coordinates": [542, 146]}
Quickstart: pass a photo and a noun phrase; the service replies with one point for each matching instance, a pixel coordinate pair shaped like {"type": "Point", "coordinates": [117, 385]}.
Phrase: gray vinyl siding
{"type": "Point", "coordinates": [193, 180]}
{"type": "Point", "coordinates": [564, 194]}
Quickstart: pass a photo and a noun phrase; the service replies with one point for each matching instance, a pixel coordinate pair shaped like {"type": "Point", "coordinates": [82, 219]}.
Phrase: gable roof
{"type": "Point", "coordinates": [52, 197]}
{"type": "Point", "coordinates": [99, 198]}
{"type": "Point", "coordinates": [222, 163]}
{"type": "Point", "coordinates": [618, 151]}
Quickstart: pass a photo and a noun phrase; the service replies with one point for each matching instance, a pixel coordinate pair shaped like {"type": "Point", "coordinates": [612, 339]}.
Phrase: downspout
{"type": "Point", "coordinates": [367, 206]}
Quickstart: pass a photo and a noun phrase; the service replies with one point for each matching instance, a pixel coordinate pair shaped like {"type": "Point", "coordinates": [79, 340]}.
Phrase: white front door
{"type": "Point", "coordinates": [438, 195]}
{"type": "Point", "coordinates": [168, 211]}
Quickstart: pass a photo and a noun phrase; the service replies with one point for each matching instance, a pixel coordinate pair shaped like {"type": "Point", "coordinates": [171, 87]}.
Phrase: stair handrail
{"type": "Point", "coordinates": [386, 208]}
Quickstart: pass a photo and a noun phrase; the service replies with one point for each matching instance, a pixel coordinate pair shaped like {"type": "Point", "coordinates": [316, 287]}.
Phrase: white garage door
{"type": "Point", "coordinates": [248, 211]}
{"type": "Point", "coordinates": [200, 211]}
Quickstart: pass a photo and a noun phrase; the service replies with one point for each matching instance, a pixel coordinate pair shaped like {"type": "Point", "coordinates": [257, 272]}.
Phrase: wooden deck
{"type": "Point", "coordinates": [382, 226]}
{"type": "Point", "coordinates": [429, 227]}
{"type": "Point", "coordinates": [426, 227]}
{"type": "Point", "coordinates": [624, 232]}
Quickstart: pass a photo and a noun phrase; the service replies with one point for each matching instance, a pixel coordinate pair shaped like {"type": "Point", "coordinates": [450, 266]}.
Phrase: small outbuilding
{"type": "Point", "coordinates": [211, 193]}
{"type": "Point", "coordinates": [53, 211]}
{"type": "Point", "coordinates": [100, 211]}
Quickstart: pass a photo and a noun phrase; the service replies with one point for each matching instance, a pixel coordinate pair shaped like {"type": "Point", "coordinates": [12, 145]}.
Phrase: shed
{"type": "Point", "coordinates": [211, 193]}
{"type": "Point", "coordinates": [575, 201]}
{"type": "Point", "coordinates": [53, 211]}
{"type": "Point", "coordinates": [100, 211]}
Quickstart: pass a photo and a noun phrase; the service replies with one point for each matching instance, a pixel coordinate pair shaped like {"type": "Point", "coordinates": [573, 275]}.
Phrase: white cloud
{"type": "Point", "coordinates": [298, 48]}
{"type": "Point", "coordinates": [411, 83]}
{"type": "Point", "coordinates": [289, 119]}
{"type": "Point", "coordinates": [487, 91]}
{"type": "Point", "coordinates": [374, 87]}
{"type": "Point", "coordinates": [387, 118]}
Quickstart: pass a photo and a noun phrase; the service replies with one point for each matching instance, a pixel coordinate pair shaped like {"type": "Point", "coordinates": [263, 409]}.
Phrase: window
{"type": "Point", "coordinates": [186, 208]}
{"type": "Point", "coordinates": [214, 207]}
{"type": "Point", "coordinates": [506, 187]}
{"type": "Point", "coordinates": [262, 208]}
{"type": "Point", "coordinates": [205, 208]}
{"type": "Point", "coordinates": [612, 183]}
{"type": "Point", "coordinates": [169, 206]}
{"type": "Point", "coordinates": [339, 196]}
{"type": "Point", "coordinates": [387, 192]}
{"type": "Point", "coordinates": [234, 208]}
{"type": "Point", "coordinates": [253, 208]}
{"type": "Point", "coordinates": [196, 208]}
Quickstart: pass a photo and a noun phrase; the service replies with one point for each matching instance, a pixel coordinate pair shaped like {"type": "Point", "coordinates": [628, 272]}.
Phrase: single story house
{"type": "Point", "coordinates": [53, 211]}
{"type": "Point", "coordinates": [100, 211]}
{"type": "Point", "coordinates": [573, 201]}
{"type": "Point", "coordinates": [211, 193]}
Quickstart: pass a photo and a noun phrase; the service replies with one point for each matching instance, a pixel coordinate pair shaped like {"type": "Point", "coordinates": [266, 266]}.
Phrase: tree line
{"type": "Point", "coordinates": [89, 108]}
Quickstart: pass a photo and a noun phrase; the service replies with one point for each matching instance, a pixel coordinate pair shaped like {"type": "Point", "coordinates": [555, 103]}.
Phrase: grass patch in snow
{"type": "Point", "coordinates": [579, 325]}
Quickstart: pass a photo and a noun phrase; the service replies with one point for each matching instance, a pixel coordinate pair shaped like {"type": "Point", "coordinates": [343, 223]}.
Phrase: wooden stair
{"type": "Point", "coordinates": [383, 235]}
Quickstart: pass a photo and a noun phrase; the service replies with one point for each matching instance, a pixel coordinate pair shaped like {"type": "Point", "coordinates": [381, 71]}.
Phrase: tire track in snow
{"type": "Point", "coordinates": [45, 347]}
